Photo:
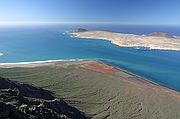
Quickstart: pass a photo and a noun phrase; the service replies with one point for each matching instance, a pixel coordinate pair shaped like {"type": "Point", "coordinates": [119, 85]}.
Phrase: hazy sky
{"type": "Point", "coordinates": [112, 11]}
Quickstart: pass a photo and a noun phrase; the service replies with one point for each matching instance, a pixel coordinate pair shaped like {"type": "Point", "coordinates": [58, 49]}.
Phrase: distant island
{"type": "Point", "coordinates": [157, 40]}
{"type": "Point", "coordinates": [80, 30]}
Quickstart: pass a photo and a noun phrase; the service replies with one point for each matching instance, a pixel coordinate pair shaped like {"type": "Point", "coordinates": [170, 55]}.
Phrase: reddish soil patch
{"type": "Point", "coordinates": [100, 68]}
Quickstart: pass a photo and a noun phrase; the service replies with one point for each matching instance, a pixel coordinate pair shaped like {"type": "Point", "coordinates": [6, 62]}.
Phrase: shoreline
{"type": "Point", "coordinates": [139, 78]}
{"type": "Point", "coordinates": [41, 62]}
{"type": "Point", "coordinates": [133, 40]}
{"type": "Point", "coordinates": [142, 79]}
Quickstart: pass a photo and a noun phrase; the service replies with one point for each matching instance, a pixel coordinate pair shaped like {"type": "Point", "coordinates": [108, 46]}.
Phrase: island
{"type": "Point", "coordinates": [157, 41]}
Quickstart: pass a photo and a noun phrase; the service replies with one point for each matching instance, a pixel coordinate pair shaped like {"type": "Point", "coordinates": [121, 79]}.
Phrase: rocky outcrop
{"type": "Point", "coordinates": [13, 105]}
{"type": "Point", "coordinates": [26, 89]}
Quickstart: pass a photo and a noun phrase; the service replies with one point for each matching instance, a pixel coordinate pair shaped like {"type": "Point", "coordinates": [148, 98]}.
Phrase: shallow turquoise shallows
{"type": "Point", "coordinates": [48, 42]}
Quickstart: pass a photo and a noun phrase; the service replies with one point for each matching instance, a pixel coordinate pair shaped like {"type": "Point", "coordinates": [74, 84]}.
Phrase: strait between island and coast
{"type": "Point", "coordinates": [97, 89]}
{"type": "Point", "coordinates": [100, 90]}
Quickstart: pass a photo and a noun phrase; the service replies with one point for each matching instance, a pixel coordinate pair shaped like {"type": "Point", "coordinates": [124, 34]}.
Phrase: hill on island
{"type": "Point", "coordinates": [80, 30]}
{"type": "Point", "coordinates": [161, 34]}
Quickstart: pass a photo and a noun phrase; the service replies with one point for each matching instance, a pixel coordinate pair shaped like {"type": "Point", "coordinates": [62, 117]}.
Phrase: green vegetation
{"type": "Point", "coordinates": [99, 95]}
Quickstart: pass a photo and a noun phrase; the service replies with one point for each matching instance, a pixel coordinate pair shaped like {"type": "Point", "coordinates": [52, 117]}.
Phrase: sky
{"type": "Point", "coordinates": [159, 12]}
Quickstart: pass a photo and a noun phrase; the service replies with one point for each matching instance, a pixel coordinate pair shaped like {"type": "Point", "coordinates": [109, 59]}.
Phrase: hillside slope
{"type": "Point", "coordinates": [99, 90]}
{"type": "Point", "coordinates": [13, 104]}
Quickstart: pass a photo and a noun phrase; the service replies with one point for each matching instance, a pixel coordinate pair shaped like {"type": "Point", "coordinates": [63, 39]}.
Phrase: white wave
{"type": "Point", "coordinates": [1, 54]}
{"type": "Point", "coordinates": [46, 61]}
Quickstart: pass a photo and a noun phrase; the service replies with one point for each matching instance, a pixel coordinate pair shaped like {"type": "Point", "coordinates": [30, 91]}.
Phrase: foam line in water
{"type": "Point", "coordinates": [46, 61]}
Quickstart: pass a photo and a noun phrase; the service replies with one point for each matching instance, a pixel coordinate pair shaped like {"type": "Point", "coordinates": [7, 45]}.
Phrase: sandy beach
{"type": "Point", "coordinates": [132, 40]}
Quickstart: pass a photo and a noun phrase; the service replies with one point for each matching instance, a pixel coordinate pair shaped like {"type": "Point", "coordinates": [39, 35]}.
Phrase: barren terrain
{"type": "Point", "coordinates": [159, 41]}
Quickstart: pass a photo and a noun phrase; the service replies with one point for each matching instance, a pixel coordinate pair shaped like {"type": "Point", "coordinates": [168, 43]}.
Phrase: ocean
{"type": "Point", "coordinates": [29, 43]}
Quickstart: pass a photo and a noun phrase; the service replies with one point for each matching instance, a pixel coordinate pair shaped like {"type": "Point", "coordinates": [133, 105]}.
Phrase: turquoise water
{"type": "Point", "coordinates": [48, 42]}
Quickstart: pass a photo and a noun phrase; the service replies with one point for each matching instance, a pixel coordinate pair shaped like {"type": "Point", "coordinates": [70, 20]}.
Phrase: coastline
{"type": "Point", "coordinates": [142, 79]}
{"type": "Point", "coordinates": [65, 63]}
{"type": "Point", "coordinates": [146, 79]}
{"type": "Point", "coordinates": [37, 63]}
{"type": "Point", "coordinates": [133, 40]}
{"type": "Point", "coordinates": [88, 86]}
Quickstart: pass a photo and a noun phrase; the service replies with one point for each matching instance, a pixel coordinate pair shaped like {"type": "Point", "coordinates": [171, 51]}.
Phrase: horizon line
{"type": "Point", "coordinates": [58, 22]}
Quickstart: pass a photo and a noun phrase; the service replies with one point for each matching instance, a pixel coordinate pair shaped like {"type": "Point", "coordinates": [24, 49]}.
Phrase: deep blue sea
{"type": "Point", "coordinates": [48, 42]}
